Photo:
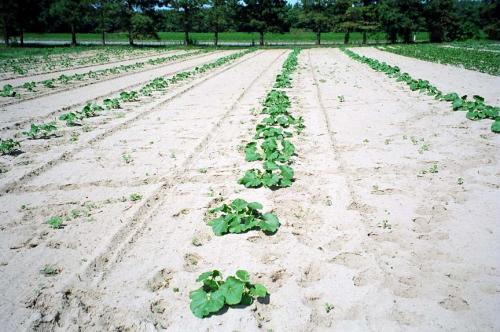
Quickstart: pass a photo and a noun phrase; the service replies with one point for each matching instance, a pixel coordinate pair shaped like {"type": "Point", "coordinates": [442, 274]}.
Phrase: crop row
{"type": "Point", "coordinates": [48, 130]}
{"type": "Point", "coordinates": [10, 91]}
{"type": "Point", "coordinates": [486, 62]}
{"type": "Point", "coordinates": [273, 148]}
{"type": "Point", "coordinates": [476, 108]}
{"type": "Point", "coordinates": [47, 62]}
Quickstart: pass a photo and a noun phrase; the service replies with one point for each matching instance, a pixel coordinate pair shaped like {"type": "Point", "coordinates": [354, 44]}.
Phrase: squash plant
{"type": "Point", "coordinates": [241, 216]}
{"type": "Point", "coordinates": [216, 293]}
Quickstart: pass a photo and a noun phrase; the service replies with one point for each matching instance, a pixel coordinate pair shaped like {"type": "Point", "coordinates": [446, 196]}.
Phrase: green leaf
{"type": "Point", "coordinates": [251, 153]}
{"type": "Point", "coordinates": [255, 206]}
{"type": "Point", "coordinates": [269, 179]}
{"type": "Point", "coordinates": [232, 289]}
{"type": "Point", "coordinates": [203, 303]}
{"type": "Point", "coordinates": [495, 126]}
{"type": "Point", "coordinates": [239, 204]}
{"type": "Point", "coordinates": [243, 275]}
{"type": "Point", "coordinates": [258, 290]}
{"type": "Point", "coordinates": [270, 223]}
{"type": "Point", "coordinates": [251, 179]}
{"type": "Point", "coordinates": [219, 225]}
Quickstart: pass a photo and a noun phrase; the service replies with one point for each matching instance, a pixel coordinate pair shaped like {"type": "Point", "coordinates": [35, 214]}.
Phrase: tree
{"type": "Point", "coordinates": [187, 9]}
{"type": "Point", "coordinates": [265, 15]}
{"type": "Point", "coordinates": [8, 9]}
{"type": "Point", "coordinates": [218, 17]}
{"type": "Point", "coordinates": [316, 15]}
{"type": "Point", "coordinates": [70, 12]}
{"type": "Point", "coordinates": [130, 8]}
{"type": "Point", "coordinates": [105, 13]}
{"type": "Point", "coordinates": [401, 18]}
{"type": "Point", "coordinates": [440, 16]}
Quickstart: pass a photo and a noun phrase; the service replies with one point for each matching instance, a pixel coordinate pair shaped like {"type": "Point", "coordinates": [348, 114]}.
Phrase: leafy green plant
{"type": "Point", "coordinates": [273, 176]}
{"type": "Point", "coordinates": [129, 96]}
{"type": "Point", "coordinates": [9, 146]}
{"type": "Point", "coordinates": [476, 108]}
{"type": "Point", "coordinates": [41, 131]}
{"type": "Point", "coordinates": [7, 91]}
{"type": "Point", "coordinates": [50, 270]}
{"type": "Point", "coordinates": [30, 86]}
{"type": "Point", "coordinates": [55, 222]}
{"type": "Point", "coordinates": [48, 83]}
{"type": "Point", "coordinates": [217, 292]}
{"type": "Point", "coordinates": [241, 216]}
{"type": "Point", "coordinates": [135, 197]}
{"type": "Point", "coordinates": [71, 118]}
{"type": "Point", "coordinates": [90, 110]}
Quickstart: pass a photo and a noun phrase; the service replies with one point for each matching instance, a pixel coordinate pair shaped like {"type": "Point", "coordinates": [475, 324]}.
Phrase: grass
{"type": "Point", "coordinates": [246, 37]}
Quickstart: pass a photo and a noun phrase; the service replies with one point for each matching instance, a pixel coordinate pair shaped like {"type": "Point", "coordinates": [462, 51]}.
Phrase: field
{"type": "Point", "coordinates": [200, 189]}
{"type": "Point", "coordinates": [225, 37]}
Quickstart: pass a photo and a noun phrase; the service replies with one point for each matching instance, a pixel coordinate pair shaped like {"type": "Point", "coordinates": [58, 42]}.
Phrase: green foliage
{"type": "Point", "coordinates": [135, 197]}
{"type": "Point", "coordinates": [272, 146]}
{"type": "Point", "coordinates": [50, 270]}
{"type": "Point", "coordinates": [112, 103]}
{"type": "Point", "coordinates": [217, 292]}
{"type": "Point", "coordinates": [55, 222]}
{"type": "Point", "coordinates": [7, 91]}
{"type": "Point", "coordinates": [129, 96]}
{"type": "Point", "coordinates": [476, 108]}
{"type": "Point", "coordinates": [30, 86]}
{"type": "Point", "coordinates": [9, 146]}
{"type": "Point", "coordinates": [486, 62]}
{"type": "Point", "coordinates": [45, 130]}
{"type": "Point", "coordinates": [241, 216]}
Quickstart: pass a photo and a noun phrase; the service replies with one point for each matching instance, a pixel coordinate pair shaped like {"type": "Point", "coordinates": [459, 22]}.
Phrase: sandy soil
{"type": "Point", "coordinates": [49, 105]}
{"type": "Point", "coordinates": [447, 78]}
{"type": "Point", "coordinates": [363, 228]}
{"type": "Point", "coordinates": [72, 71]}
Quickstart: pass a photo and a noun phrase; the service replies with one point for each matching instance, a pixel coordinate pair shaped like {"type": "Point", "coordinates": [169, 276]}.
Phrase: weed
{"type": "Point", "coordinates": [55, 222]}
{"type": "Point", "coordinates": [328, 307]}
{"type": "Point", "coordinates": [135, 197]}
{"type": "Point", "coordinates": [50, 270]}
{"type": "Point", "coordinates": [460, 181]}
{"type": "Point", "coordinates": [127, 158]}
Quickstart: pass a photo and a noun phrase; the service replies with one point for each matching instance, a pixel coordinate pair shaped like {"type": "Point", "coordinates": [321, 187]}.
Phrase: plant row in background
{"type": "Point", "coordinates": [10, 91]}
{"type": "Point", "coordinates": [271, 144]}
{"type": "Point", "coordinates": [272, 147]}
{"type": "Point", "coordinates": [476, 108]}
{"type": "Point", "coordinates": [48, 130]}
{"type": "Point", "coordinates": [47, 59]}
{"type": "Point", "coordinates": [474, 59]}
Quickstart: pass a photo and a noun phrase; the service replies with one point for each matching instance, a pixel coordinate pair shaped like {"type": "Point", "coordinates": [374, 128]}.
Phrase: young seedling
{"type": "Point", "coordinates": [9, 146]}
{"type": "Point", "coordinates": [135, 197]}
{"type": "Point", "coordinates": [127, 158]}
{"type": "Point", "coordinates": [7, 91]}
{"type": "Point", "coordinates": [241, 216]}
{"type": "Point", "coordinates": [217, 292]}
{"type": "Point", "coordinates": [55, 222]}
{"type": "Point", "coordinates": [328, 307]}
{"type": "Point", "coordinates": [41, 131]}
{"type": "Point", "coordinates": [50, 270]}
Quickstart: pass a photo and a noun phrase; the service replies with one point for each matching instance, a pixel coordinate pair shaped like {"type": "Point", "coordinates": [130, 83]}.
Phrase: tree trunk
{"type": "Point", "coordinates": [73, 35]}
{"type": "Point", "coordinates": [364, 38]}
{"type": "Point", "coordinates": [103, 37]}
{"type": "Point", "coordinates": [186, 37]}
{"type": "Point", "coordinates": [346, 36]}
{"type": "Point", "coordinates": [261, 41]}
{"type": "Point", "coordinates": [5, 32]}
{"type": "Point", "coordinates": [318, 37]}
{"type": "Point", "coordinates": [216, 38]}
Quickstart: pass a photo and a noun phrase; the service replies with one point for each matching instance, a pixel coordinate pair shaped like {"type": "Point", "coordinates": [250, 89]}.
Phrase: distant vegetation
{"type": "Point", "coordinates": [309, 20]}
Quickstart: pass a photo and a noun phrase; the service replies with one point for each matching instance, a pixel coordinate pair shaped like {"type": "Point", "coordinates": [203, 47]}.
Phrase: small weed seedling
{"type": "Point", "coordinates": [135, 197]}
{"type": "Point", "coordinates": [328, 307]}
{"type": "Point", "coordinates": [341, 99]}
{"type": "Point", "coordinates": [460, 181]}
{"type": "Point", "coordinates": [127, 158]}
{"type": "Point", "coordinates": [50, 270]}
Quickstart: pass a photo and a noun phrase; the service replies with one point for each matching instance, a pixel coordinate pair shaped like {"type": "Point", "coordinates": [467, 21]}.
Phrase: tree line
{"type": "Point", "coordinates": [445, 20]}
